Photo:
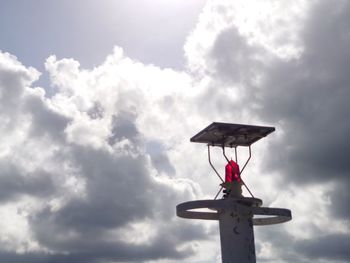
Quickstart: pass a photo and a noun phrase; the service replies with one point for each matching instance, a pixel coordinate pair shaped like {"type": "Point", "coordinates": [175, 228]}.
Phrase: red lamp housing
{"type": "Point", "coordinates": [232, 172]}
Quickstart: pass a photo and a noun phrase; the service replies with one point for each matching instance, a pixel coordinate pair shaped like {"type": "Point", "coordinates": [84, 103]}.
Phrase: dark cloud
{"type": "Point", "coordinates": [118, 191]}
{"type": "Point", "coordinates": [106, 252]}
{"type": "Point", "coordinates": [305, 97]}
{"type": "Point", "coordinates": [320, 248]}
{"type": "Point", "coordinates": [235, 67]}
{"type": "Point", "coordinates": [339, 198]}
{"type": "Point", "coordinates": [232, 59]}
{"type": "Point", "coordinates": [16, 182]}
{"type": "Point", "coordinates": [96, 111]}
{"type": "Point", "coordinates": [159, 157]}
{"type": "Point", "coordinates": [44, 120]}
{"type": "Point", "coordinates": [333, 247]}
{"type": "Point", "coordinates": [308, 98]}
{"type": "Point", "coordinates": [123, 127]}
{"type": "Point", "coordinates": [279, 241]}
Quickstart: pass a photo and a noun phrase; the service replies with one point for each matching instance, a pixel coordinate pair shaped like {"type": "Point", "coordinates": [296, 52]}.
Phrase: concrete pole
{"type": "Point", "coordinates": [237, 237]}
{"type": "Point", "coordinates": [236, 220]}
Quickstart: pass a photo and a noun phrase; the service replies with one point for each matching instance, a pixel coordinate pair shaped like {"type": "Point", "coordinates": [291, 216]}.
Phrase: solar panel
{"type": "Point", "coordinates": [231, 135]}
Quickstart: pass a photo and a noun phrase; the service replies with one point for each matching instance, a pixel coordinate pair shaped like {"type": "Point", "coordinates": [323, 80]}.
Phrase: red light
{"type": "Point", "coordinates": [232, 172]}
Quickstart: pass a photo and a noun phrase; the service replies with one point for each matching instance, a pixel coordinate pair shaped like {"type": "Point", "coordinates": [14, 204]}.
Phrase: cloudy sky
{"type": "Point", "coordinates": [98, 100]}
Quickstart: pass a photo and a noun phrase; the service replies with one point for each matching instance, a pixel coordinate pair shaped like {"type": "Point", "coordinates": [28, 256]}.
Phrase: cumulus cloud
{"type": "Point", "coordinates": [93, 172]}
{"type": "Point", "coordinates": [297, 81]}
{"type": "Point", "coordinates": [97, 192]}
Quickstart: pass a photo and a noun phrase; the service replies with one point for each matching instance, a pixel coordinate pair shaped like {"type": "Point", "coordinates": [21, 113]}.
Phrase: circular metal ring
{"type": "Point", "coordinates": [275, 215]}
{"type": "Point", "coordinates": [240, 205]}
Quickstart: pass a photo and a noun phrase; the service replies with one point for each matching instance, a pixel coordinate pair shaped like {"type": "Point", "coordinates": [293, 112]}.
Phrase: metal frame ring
{"type": "Point", "coordinates": [239, 205]}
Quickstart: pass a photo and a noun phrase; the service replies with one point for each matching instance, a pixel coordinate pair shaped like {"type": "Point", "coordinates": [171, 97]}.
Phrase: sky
{"type": "Point", "coordinates": [98, 101]}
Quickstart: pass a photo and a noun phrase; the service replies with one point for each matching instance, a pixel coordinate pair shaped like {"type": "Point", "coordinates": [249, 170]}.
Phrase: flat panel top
{"type": "Point", "coordinates": [231, 135]}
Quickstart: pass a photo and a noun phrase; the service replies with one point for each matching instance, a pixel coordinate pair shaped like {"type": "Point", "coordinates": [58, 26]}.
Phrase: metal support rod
{"type": "Point", "coordinates": [250, 155]}
{"type": "Point", "coordinates": [212, 166]}
{"type": "Point", "coordinates": [223, 151]}
{"type": "Point", "coordinates": [247, 188]}
{"type": "Point", "coordinates": [218, 193]}
{"type": "Point", "coordinates": [236, 155]}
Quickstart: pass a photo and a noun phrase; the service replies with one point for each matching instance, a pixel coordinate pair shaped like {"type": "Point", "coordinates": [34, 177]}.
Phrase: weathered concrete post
{"type": "Point", "coordinates": [237, 237]}
{"type": "Point", "coordinates": [236, 221]}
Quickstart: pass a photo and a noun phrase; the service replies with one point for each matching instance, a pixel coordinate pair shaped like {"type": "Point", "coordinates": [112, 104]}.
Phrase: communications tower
{"type": "Point", "coordinates": [237, 215]}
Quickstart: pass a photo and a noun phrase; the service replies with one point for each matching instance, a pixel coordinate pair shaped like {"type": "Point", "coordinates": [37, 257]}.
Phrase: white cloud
{"type": "Point", "coordinates": [106, 158]}
{"type": "Point", "coordinates": [83, 151]}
